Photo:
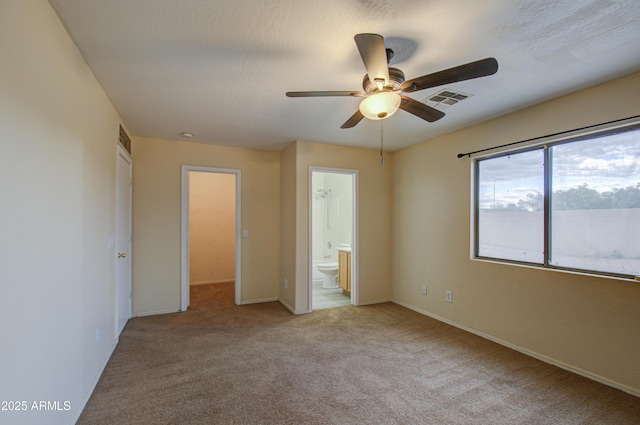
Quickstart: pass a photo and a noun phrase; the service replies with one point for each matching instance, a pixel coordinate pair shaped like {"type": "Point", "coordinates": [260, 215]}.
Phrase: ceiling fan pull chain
{"type": "Point", "coordinates": [381, 141]}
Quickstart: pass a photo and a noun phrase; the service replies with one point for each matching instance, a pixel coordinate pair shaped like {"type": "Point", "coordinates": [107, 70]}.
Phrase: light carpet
{"type": "Point", "coordinates": [382, 364]}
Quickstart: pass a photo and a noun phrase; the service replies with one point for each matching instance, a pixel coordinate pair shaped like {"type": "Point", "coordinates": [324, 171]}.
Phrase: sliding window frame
{"type": "Point", "coordinates": [547, 196]}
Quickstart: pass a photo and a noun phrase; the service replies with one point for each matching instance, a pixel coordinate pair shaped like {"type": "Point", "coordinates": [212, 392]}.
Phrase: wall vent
{"type": "Point", "coordinates": [125, 141]}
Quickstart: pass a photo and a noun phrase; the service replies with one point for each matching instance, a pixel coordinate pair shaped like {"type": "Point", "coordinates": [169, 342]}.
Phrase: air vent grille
{"type": "Point", "coordinates": [125, 141]}
{"type": "Point", "coordinates": [446, 98]}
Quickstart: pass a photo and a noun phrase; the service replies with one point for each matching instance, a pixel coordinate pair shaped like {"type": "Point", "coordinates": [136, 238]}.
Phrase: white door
{"type": "Point", "coordinates": [123, 240]}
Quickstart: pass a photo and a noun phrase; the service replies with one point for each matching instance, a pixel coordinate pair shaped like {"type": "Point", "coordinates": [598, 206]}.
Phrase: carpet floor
{"type": "Point", "coordinates": [219, 363]}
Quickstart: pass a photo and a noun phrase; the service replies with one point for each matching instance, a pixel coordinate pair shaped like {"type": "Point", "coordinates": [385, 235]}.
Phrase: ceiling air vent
{"type": "Point", "coordinates": [446, 98]}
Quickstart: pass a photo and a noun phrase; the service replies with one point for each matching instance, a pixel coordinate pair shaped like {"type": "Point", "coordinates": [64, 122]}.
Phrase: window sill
{"type": "Point", "coordinates": [623, 278]}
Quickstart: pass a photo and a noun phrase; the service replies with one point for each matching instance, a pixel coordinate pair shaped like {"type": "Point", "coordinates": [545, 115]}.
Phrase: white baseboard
{"type": "Point", "coordinates": [261, 300]}
{"type": "Point", "coordinates": [155, 312]}
{"type": "Point", "coordinates": [287, 306]}
{"type": "Point", "coordinates": [94, 383]}
{"type": "Point", "coordinates": [291, 309]}
{"type": "Point", "coordinates": [211, 282]}
{"type": "Point", "coordinates": [530, 353]}
{"type": "Point", "coordinates": [374, 302]}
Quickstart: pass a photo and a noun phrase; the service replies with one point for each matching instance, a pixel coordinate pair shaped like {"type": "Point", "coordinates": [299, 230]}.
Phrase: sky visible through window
{"type": "Point", "coordinates": [594, 214]}
{"type": "Point", "coordinates": [603, 164]}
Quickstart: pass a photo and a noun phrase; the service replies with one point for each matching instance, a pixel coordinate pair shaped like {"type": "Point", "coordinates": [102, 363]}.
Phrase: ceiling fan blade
{"type": "Point", "coordinates": [374, 56]}
{"type": "Point", "coordinates": [420, 110]}
{"type": "Point", "coordinates": [355, 119]}
{"type": "Point", "coordinates": [471, 70]}
{"type": "Point", "coordinates": [324, 93]}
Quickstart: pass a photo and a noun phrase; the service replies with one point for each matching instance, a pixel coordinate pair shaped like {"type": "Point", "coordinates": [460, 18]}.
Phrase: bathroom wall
{"type": "Point", "coordinates": [341, 209]}
{"type": "Point", "coordinates": [332, 215]}
{"type": "Point", "coordinates": [212, 227]}
{"type": "Point", "coordinates": [318, 225]}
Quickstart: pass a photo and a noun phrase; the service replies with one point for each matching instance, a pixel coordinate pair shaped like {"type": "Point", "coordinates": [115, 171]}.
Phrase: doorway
{"type": "Point", "coordinates": [210, 230]}
{"type": "Point", "coordinates": [333, 259]}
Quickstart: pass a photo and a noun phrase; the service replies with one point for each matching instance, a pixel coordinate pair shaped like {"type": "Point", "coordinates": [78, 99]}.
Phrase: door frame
{"type": "Point", "coordinates": [122, 153]}
{"type": "Point", "coordinates": [355, 257]}
{"type": "Point", "coordinates": [184, 237]}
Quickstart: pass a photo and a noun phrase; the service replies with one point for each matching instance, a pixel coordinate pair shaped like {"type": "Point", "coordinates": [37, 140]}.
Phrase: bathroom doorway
{"type": "Point", "coordinates": [210, 233]}
{"type": "Point", "coordinates": [333, 242]}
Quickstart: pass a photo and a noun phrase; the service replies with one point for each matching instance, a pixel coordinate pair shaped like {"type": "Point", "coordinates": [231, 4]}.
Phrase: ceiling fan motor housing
{"type": "Point", "coordinates": [396, 78]}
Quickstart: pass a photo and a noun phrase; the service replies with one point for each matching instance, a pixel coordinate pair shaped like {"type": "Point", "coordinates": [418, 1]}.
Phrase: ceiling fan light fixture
{"type": "Point", "coordinates": [380, 105]}
{"type": "Point", "coordinates": [380, 82]}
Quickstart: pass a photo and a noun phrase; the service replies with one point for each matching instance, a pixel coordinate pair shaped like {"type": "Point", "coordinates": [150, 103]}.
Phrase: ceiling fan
{"type": "Point", "coordinates": [383, 85]}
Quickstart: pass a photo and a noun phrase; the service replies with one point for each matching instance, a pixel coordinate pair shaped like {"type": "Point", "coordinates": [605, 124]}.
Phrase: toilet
{"type": "Point", "coordinates": [330, 274]}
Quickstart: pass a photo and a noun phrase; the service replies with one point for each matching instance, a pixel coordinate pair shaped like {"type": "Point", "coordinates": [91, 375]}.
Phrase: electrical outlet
{"type": "Point", "coordinates": [98, 334]}
{"type": "Point", "coordinates": [285, 283]}
{"type": "Point", "coordinates": [424, 289]}
{"type": "Point", "coordinates": [448, 296]}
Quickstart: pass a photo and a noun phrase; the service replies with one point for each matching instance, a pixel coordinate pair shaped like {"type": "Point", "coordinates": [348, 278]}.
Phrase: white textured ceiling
{"type": "Point", "coordinates": [220, 68]}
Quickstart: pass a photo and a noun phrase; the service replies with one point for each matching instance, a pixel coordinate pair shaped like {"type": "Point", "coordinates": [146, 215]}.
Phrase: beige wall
{"type": "Point", "coordinates": [58, 133]}
{"type": "Point", "coordinates": [288, 226]}
{"type": "Point", "coordinates": [156, 219]}
{"type": "Point", "coordinates": [58, 138]}
{"type": "Point", "coordinates": [212, 227]}
{"type": "Point", "coordinates": [586, 323]}
{"type": "Point", "coordinates": [374, 217]}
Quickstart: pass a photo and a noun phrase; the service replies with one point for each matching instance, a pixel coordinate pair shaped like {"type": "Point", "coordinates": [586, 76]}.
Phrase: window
{"type": "Point", "coordinates": [573, 204]}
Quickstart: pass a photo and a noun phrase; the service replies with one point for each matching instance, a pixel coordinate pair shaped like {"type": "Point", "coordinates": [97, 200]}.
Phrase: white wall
{"type": "Point", "coordinates": [58, 137]}
{"type": "Point", "coordinates": [318, 207]}
{"type": "Point", "coordinates": [585, 239]}
{"type": "Point", "coordinates": [332, 215]}
{"type": "Point", "coordinates": [341, 209]}
{"type": "Point", "coordinates": [586, 323]}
